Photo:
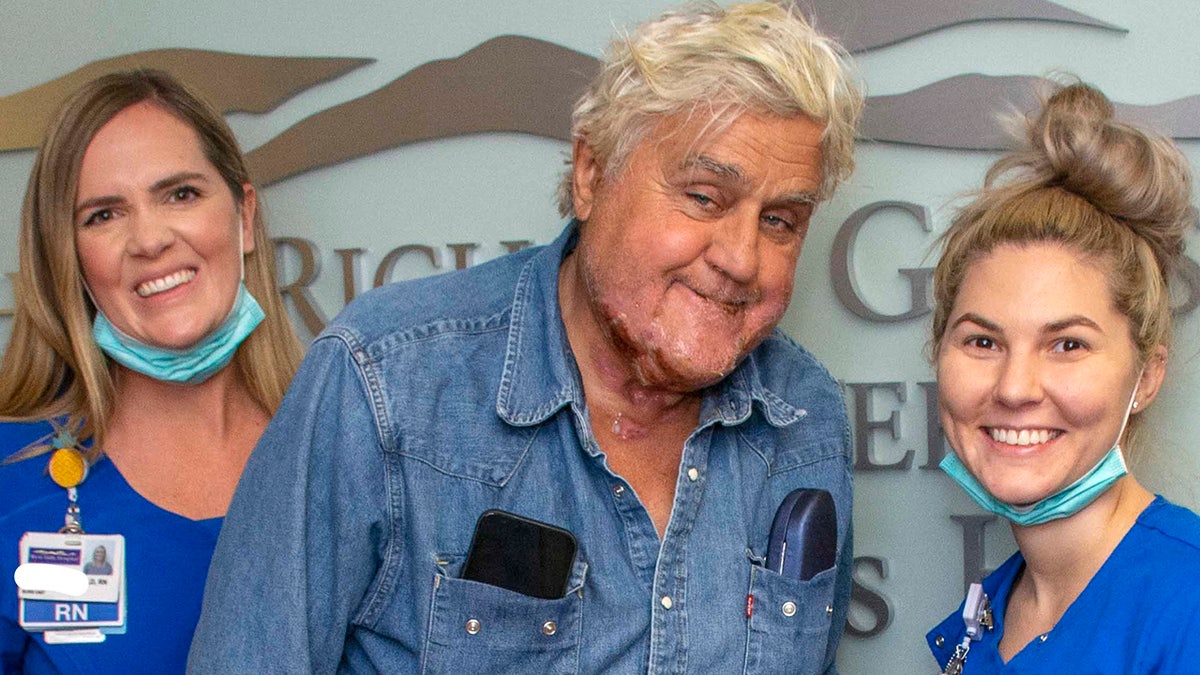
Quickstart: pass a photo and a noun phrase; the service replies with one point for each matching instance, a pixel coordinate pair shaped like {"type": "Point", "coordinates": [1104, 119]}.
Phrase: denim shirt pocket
{"type": "Point", "coordinates": [788, 624]}
{"type": "Point", "coordinates": [476, 627]}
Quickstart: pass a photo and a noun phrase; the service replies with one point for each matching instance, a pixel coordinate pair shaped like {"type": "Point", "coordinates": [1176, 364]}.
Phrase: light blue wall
{"type": "Point", "coordinates": [486, 189]}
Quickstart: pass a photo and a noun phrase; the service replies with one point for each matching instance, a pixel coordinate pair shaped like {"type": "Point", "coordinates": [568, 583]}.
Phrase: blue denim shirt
{"type": "Point", "coordinates": [425, 404]}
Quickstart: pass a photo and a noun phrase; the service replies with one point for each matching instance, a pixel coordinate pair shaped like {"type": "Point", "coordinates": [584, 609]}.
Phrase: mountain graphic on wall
{"type": "Point", "coordinates": [525, 85]}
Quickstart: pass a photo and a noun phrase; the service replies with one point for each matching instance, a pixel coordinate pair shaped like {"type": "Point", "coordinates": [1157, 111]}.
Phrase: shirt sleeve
{"type": "Point", "coordinates": [306, 533]}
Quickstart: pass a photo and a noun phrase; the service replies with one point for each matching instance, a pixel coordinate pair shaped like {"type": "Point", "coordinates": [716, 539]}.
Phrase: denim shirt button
{"type": "Point", "coordinates": [549, 628]}
{"type": "Point", "coordinates": [618, 490]}
{"type": "Point", "coordinates": [473, 626]}
{"type": "Point", "coordinates": [692, 473]}
{"type": "Point", "coordinates": [789, 608]}
{"type": "Point", "coordinates": [666, 602]}
{"type": "Point", "coordinates": [939, 641]}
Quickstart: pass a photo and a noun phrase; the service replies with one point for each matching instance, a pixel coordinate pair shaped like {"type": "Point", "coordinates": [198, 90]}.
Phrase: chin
{"type": "Point", "coordinates": [677, 358]}
{"type": "Point", "coordinates": [1020, 495]}
{"type": "Point", "coordinates": [673, 372]}
{"type": "Point", "coordinates": [176, 341]}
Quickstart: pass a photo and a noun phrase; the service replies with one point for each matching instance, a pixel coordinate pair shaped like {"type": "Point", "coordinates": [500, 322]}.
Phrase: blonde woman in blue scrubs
{"type": "Point", "coordinates": [1051, 332]}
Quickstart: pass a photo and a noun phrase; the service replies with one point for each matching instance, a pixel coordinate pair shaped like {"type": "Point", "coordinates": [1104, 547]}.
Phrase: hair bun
{"type": "Point", "coordinates": [1069, 124]}
{"type": "Point", "coordinates": [1134, 175]}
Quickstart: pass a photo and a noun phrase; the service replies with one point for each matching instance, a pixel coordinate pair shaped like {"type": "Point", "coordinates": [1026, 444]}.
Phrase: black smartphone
{"type": "Point", "coordinates": [804, 534]}
{"type": "Point", "coordinates": [521, 555]}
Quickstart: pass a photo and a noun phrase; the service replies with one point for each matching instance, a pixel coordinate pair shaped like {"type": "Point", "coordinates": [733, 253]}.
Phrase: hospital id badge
{"type": "Point", "coordinates": [71, 581]}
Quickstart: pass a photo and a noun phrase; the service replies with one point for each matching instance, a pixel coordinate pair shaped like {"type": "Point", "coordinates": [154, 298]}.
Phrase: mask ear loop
{"type": "Point", "coordinates": [241, 248]}
{"type": "Point", "coordinates": [1128, 412]}
{"type": "Point", "coordinates": [241, 267]}
{"type": "Point", "coordinates": [88, 289]}
{"type": "Point", "coordinates": [99, 312]}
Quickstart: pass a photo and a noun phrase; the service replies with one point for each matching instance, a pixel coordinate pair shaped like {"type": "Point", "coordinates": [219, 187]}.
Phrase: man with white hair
{"type": "Point", "coordinates": [625, 383]}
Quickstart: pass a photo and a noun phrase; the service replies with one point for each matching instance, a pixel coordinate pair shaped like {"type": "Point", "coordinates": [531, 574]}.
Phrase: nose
{"type": "Point", "coordinates": [734, 246]}
{"type": "Point", "coordinates": [148, 235]}
{"type": "Point", "coordinates": [1019, 382]}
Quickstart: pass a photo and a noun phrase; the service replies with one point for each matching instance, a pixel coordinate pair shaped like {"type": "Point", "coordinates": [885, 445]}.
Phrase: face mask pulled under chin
{"type": "Point", "coordinates": [192, 365]}
{"type": "Point", "coordinates": [1066, 502]}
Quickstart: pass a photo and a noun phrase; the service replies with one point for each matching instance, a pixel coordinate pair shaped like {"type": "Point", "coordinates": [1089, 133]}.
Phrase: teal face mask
{"type": "Point", "coordinates": [1066, 502]}
{"type": "Point", "coordinates": [185, 366]}
{"type": "Point", "coordinates": [1061, 504]}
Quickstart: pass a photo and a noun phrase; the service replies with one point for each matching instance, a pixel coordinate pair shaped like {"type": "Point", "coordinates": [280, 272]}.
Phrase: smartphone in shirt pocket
{"type": "Point", "coordinates": [520, 554]}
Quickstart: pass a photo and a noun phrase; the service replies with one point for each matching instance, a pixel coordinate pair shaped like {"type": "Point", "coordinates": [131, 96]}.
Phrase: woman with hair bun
{"type": "Point", "coordinates": [1050, 340]}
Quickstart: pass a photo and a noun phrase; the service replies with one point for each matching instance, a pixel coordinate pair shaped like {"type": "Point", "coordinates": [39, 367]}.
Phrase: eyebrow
{"type": "Point", "coordinates": [158, 186]}
{"type": "Point", "coordinates": [805, 198]}
{"type": "Point", "coordinates": [722, 169]}
{"type": "Point", "coordinates": [1071, 321]}
{"type": "Point", "coordinates": [95, 203]}
{"type": "Point", "coordinates": [177, 178]}
{"type": "Point", "coordinates": [738, 175]}
{"type": "Point", "coordinates": [971, 317]}
{"type": "Point", "coordinates": [1053, 327]}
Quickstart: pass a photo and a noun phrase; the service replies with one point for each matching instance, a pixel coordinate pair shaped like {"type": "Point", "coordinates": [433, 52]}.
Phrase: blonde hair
{"type": "Point", "coordinates": [52, 367]}
{"type": "Point", "coordinates": [1116, 194]}
{"type": "Point", "coordinates": [758, 56]}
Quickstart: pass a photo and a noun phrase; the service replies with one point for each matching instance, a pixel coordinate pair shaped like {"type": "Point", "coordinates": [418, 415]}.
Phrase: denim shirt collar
{"type": "Point", "coordinates": [540, 375]}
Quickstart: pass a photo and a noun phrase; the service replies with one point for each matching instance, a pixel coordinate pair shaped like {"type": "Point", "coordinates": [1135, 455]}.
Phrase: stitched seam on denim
{"type": "Point", "coordinates": [429, 624]}
{"type": "Point", "coordinates": [827, 453]}
{"type": "Point", "coordinates": [513, 346]}
{"type": "Point", "coordinates": [386, 344]}
{"type": "Point", "coordinates": [503, 481]}
{"type": "Point", "coordinates": [831, 449]}
{"type": "Point", "coordinates": [845, 571]}
{"type": "Point", "coordinates": [681, 591]}
{"type": "Point", "coordinates": [373, 606]}
{"type": "Point", "coordinates": [520, 457]}
{"type": "Point", "coordinates": [389, 565]}
{"type": "Point", "coordinates": [512, 360]}
{"type": "Point", "coordinates": [540, 414]}
{"type": "Point", "coordinates": [746, 663]}
{"type": "Point", "coordinates": [392, 556]}
{"type": "Point", "coordinates": [365, 367]}
{"type": "Point", "coordinates": [778, 412]}
{"type": "Point", "coordinates": [847, 445]}
{"type": "Point", "coordinates": [579, 620]}
{"type": "Point", "coordinates": [749, 389]}
{"type": "Point", "coordinates": [807, 357]}
{"type": "Point", "coordinates": [446, 472]}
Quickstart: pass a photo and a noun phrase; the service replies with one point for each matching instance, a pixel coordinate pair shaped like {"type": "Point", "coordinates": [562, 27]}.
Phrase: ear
{"type": "Point", "coordinates": [248, 209]}
{"type": "Point", "coordinates": [1152, 378]}
{"type": "Point", "coordinates": [586, 174]}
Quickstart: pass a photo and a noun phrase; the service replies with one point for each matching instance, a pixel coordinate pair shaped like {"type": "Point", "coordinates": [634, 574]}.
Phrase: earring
{"type": "Point", "coordinates": [1135, 405]}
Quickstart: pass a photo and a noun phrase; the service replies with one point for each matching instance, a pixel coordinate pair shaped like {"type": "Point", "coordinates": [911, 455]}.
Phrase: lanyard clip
{"type": "Point", "coordinates": [977, 611]}
{"type": "Point", "coordinates": [977, 615]}
{"type": "Point", "coordinates": [71, 522]}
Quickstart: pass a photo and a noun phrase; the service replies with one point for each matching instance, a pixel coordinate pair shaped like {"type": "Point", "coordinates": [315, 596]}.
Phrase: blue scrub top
{"type": "Point", "coordinates": [166, 558]}
{"type": "Point", "coordinates": [1140, 613]}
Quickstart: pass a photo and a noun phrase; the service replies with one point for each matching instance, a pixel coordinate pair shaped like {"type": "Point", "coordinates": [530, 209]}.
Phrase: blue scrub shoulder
{"type": "Point", "coordinates": [1139, 613]}
{"type": "Point", "coordinates": [167, 558]}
